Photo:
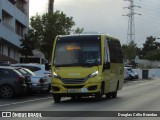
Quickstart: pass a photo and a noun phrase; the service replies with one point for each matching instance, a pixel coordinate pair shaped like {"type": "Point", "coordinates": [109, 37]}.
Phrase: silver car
{"type": "Point", "coordinates": [39, 83]}
{"type": "Point", "coordinates": [129, 74]}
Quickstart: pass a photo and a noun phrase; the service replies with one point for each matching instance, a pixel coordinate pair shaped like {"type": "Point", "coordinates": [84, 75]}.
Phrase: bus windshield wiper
{"type": "Point", "coordinates": [89, 64]}
{"type": "Point", "coordinates": [62, 65]}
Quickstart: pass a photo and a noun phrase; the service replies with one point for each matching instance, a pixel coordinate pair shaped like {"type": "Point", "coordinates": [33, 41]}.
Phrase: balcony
{"type": "Point", "coordinates": [10, 36]}
{"type": "Point", "coordinates": [7, 20]}
{"type": "Point", "coordinates": [21, 5]}
{"type": "Point", "coordinates": [11, 28]}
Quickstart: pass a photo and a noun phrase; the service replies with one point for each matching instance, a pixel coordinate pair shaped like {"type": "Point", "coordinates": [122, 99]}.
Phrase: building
{"type": "Point", "coordinates": [14, 22]}
{"type": "Point", "coordinates": [38, 57]}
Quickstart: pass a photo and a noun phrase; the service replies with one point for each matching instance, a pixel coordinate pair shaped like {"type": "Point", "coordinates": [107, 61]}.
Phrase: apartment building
{"type": "Point", "coordinates": [14, 22]}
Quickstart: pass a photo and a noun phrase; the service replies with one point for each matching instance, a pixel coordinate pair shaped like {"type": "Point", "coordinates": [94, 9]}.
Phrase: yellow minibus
{"type": "Point", "coordinates": [86, 65]}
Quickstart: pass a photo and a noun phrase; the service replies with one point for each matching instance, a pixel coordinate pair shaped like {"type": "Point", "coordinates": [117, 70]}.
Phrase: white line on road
{"type": "Point", "coordinates": [25, 101]}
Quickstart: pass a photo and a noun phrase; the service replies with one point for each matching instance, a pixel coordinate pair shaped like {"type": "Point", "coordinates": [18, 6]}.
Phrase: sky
{"type": "Point", "coordinates": [105, 16]}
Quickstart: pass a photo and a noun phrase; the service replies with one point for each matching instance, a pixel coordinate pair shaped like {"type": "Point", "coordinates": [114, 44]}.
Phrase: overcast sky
{"type": "Point", "coordinates": [105, 16]}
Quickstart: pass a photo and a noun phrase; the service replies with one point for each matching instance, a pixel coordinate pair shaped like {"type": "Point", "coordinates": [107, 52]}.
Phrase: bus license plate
{"type": "Point", "coordinates": [73, 91]}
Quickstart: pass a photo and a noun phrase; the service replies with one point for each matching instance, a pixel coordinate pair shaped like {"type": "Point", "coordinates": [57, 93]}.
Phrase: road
{"type": "Point", "coordinates": [141, 95]}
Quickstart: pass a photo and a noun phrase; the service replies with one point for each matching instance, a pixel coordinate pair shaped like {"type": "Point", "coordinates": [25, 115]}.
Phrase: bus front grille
{"type": "Point", "coordinates": [73, 81]}
{"type": "Point", "coordinates": [73, 87]}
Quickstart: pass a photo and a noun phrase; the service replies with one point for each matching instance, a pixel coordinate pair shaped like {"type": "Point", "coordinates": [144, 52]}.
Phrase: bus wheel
{"type": "Point", "coordinates": [57, 98]}
{"type": "Point", "coordinates": [98, 96]}
{"type": "Point", "coordinates": [108, 95]}
{"type": "Point", "coordinates": [74, 98]}
{"type": "Point", "coordinates": [114, 94]}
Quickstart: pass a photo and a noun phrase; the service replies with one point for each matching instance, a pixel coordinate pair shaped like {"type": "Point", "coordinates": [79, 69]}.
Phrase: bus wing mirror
{"type": "Point", "coordinates": [47, 66]}
{"type": "Point", "coordinates": [107, 65]}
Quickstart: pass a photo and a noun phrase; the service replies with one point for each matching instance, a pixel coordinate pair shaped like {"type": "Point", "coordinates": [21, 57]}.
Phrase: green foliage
{"type": "Point", "coordinates": [34, 38]}
{"type": "Point", "coordinates": [26, 46]}
{"type": "Point", "coordinates": [130, 50]}
{"type": "Point", "coordinates": [46, 27]}
{"type": "Point", "coordinates": [150, 49]}
{"type": "Point", "coordinates": [78, 30]}
{"type": "Point", "coordinates": [153, 55]}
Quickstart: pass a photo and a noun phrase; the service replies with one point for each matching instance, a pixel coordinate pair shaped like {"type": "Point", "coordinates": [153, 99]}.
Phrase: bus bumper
{"type": "Point", "coordinates": [76, 90]}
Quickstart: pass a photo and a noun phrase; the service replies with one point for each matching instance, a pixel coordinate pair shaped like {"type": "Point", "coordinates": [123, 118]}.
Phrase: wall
{"type": "Point", "coordinates": [151, 72]}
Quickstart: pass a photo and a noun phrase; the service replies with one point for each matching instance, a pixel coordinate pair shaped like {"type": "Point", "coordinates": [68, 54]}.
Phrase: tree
{"type": "Point", "coordinates": [34, 38]}
{"type": "Point", "coordinates": [47, 27]}
{"type": "Point", "coordinates": [130, 50]}
{"type": "Point", "coordinates": [151, 48]}
{"type": "Point", "coordinates": [78, 30]}
{"type": "Point", "coordinates": [26, 47]}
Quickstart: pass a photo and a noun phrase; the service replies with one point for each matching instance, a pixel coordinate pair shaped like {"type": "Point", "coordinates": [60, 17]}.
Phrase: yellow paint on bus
{"type": "Point", "coordinates": [86, 65]}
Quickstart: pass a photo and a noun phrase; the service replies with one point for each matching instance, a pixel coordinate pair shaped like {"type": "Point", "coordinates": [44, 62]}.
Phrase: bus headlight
{"type": "Point", "coordinates": [93, 74]}
{"type": "Point", "coordinates": [56, 75]}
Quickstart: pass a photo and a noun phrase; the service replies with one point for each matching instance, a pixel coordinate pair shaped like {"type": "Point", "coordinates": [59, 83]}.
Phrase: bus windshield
{"type": "Point", "coordinates": [78, 51]}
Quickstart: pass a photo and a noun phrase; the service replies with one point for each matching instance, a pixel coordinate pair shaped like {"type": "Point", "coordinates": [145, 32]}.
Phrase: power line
{"type": "Point", "coordinates": [131, 25]}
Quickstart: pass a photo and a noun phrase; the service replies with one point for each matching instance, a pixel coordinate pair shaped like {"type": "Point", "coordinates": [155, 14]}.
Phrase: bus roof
{"type": "Point", "coordinates": [108, 36]}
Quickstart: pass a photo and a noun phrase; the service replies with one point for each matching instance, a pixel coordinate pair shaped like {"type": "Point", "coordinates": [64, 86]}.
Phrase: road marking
{"type": "Point", "coordinates": [25, 101]}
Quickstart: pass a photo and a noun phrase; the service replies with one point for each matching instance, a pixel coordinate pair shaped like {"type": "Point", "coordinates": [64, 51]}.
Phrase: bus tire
{"type": "Point", "coordinates": [57, 98]}
{"type": "Point", "coordinates": [114, 94]}
{"type": "Point", "coordinates": [76, 98]}
{"type": "Point", "coordinates": [98, 96]}
{"type": "Point", "coordinates": [108, 95]}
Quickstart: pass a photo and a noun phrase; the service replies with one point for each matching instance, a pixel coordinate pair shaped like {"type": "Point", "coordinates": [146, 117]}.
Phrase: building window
{"type": "Point", "coordinates": [14, 54]}
{"type": "Point", "coordinates": [19, 28]}
{"type": "Point", "coordinates": [0, 47]}
{"type": "Point", "coordinates": [7, 20]}
{"type": "Point", "coordinates": [21, 4]}
{"type": "Point", "coordinates": [9, 51]}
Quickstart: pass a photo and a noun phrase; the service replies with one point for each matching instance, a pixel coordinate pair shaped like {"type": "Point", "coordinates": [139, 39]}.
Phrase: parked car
{"type": "Point", "coordinates": [129, 74]}
{"type": "Point", "coordinates": [27, 79]}
{"type": "Point", "coordinates": [38, 69]}
{"type": "Point", "coordinates": [5, 63]}
{"type": "Point", "coordinates": [12, 82]}
{"type": "Point", "coordinates": [39, 83]}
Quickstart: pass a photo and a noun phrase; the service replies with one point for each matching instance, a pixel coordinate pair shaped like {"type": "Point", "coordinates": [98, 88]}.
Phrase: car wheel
{"type": "Point", "coordinates": [57, 98]}
{"type": "Point", "coordinates": [6, 91]}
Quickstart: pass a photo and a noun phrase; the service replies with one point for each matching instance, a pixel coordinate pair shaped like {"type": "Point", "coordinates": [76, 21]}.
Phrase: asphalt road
{"type": "Point", "coordinates": [141, 95]}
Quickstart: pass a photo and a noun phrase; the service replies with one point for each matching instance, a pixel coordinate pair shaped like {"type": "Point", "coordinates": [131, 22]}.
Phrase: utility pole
{"type": "Point", "coordinates": [131, 25]}
{"type": "Point", "coordinates": [50, 6]}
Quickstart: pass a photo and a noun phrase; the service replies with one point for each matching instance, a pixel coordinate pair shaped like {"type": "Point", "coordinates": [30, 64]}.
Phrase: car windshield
{"type": "Point", "coordinates": [130, 70]}
{"type": "Point", "coordinates": [77, 51]}
{"type": "Point", "coordinates": [17, 72]}
{"type": "Point", "coordinates": [29, 71]}
{"type": "Point", "coordinates": [22, 71]}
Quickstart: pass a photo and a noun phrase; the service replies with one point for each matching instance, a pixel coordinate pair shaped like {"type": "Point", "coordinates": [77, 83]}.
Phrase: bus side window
{"type": "Point", "coordinates": [106, 55]}
{"type": "Point", "coordinates": [115, 51]}
{"type": "Point", "coordinates": [107, 58]}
